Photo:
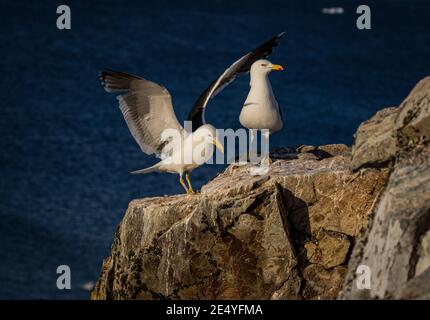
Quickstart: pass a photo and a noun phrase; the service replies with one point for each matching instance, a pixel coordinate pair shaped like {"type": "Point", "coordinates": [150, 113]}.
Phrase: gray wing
{"type": "Point", "coordinates": [146, 107]}
{"type": "Point", "coordinates": [241, 66]}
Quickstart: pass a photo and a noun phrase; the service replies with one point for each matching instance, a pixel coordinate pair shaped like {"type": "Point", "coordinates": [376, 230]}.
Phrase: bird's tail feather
{"type": "Point", "coordinates": [146, 170]}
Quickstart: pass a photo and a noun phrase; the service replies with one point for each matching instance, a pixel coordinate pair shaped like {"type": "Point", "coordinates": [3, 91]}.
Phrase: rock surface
{"type": "Point", "coordinates": [284, 235]}
{"type": "Point", "coordinates": [375, 143]}
{"type": "Point", "coordinates": [306, 230]}
{"type": "Point", "coordinates": [396, 247]}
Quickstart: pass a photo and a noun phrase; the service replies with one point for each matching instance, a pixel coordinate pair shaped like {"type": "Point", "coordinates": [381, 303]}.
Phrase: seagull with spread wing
{"type": "Point", "coordinates": [260, 110]}
{"type": "Point", "coordinates": [239, 67]}
{"type": "Point", "coordinates": [148, 111]}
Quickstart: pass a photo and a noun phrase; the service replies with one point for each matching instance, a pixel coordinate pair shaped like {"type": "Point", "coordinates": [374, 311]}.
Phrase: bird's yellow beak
{"type": "Point", "coordinates": [277, 67]}
{"type": "Point", "coordinates": [218, 145]}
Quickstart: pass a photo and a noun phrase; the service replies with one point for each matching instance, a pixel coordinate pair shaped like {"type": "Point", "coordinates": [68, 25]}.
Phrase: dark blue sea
{"type": "Point", "coordinates": [66, 153]}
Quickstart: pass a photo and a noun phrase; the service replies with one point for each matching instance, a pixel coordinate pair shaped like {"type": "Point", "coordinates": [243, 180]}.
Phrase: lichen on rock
{"type": "Point", "coordinates": [395, 247]}
{"type": "Point", "coordinates": [245, 236]}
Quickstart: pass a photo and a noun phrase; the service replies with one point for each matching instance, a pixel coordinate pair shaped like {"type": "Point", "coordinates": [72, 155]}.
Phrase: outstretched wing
{"type": "Point", "coordinates": [241, 66]}
{"type": "Point", "coordinates": [146, 107]}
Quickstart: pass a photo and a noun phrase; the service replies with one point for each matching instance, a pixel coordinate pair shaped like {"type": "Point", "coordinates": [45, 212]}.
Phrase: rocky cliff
{"type": "Point", "coordinates": [299, 232]}
{"type": "Point", "coordinates": [396, 246]}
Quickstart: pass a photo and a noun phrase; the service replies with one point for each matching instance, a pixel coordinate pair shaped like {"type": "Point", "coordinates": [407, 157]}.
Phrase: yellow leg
{"type": "Point", "coordinates": [187, 176]}
{"type": "Point", "coordinates": [181, 180]}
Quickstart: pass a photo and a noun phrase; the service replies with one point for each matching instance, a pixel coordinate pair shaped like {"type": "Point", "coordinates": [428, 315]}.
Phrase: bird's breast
{"type": "Point", "coordinates": [261, 115]}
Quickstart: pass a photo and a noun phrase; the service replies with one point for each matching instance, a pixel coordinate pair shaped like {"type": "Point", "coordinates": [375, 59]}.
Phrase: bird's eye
{"type": "Point", "coordinates": [264, 64]}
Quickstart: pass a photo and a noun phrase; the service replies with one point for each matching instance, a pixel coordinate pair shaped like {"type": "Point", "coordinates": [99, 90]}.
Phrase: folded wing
{"type": "Point", "coordinates": [146, 107]}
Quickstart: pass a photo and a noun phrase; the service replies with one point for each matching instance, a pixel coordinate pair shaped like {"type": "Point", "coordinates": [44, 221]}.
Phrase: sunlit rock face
{"type": "Point", "coordinates": [305, 230]}
{"type": "Point", "coordinates": [396, 247]}
{"type": "Point", "coordinates": [284, 235]}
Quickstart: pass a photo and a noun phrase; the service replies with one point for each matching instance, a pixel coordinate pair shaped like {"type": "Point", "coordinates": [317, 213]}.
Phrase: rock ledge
{"type": "Point", "coordinates": [285, 235]}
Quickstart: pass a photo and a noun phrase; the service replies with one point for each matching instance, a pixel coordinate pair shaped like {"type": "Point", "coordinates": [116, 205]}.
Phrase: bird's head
{"type": "Point", "coordinates": [264, 67]}
{"type": "Point", "coordinates": [207, 133]}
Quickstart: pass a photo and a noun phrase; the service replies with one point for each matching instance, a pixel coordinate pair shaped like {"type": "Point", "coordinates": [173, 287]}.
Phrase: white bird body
{"type": "Point", "coordinates": [148, 111]}
{"type": "Point", "coordinates": [184, 156]}
{"type": "Point", "coordinates": [261, 110]}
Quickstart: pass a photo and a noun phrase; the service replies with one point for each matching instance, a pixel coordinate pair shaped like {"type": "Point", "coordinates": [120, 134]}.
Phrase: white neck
{"type": "Point", "coordinates": [260, 87]}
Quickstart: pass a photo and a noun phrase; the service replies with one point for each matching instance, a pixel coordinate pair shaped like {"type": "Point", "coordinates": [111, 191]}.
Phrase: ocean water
{"type": "Point", "coordinates": [66, 152]}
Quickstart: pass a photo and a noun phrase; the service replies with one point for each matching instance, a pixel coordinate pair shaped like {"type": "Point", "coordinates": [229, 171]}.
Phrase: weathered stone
{"type": "Point", "coordinates": [321, 283]}
{"type": "Point", "coordinates": [243, 237]}
{"type": "Point", "coordinates": [187, 247]}
{"type": "Point", "coordinates": [329, 250]}
{"type": "Point", "coordinates": [326, 151]}
{"type": "Point", "coordinates": [416, 288]}
{"type": "Point", "coordinates": [413, 122]}
{"type": "Point", "coordinates": [396, 246]}
{"type": "Point", "coordinates": [375, 143]}
{"type": "Point", "coordinates": [423, 261]}
{"type": "Point", "coordinates": [344, 208]}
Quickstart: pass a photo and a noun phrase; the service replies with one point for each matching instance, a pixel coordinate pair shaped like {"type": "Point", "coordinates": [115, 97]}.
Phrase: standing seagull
{"type": "Point", "coordinates": [261, 110]}
{"type": "Point", "coordinates": [239, 67]}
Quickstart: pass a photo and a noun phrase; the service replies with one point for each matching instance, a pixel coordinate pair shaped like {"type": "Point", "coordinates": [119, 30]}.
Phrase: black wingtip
{"type": "Point", "coordinates": [103, 77]}
{"type": "Point", "coordinates": [278, 38]}
{"type": "Point", "coordinates": [113, 81]}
